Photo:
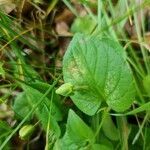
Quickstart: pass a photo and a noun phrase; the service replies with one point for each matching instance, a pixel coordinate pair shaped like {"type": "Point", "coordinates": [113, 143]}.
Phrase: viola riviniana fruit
{"type": "Point", "coordinates": [26, 131]}
{"type": "Point", "coordinates": [65, 89]}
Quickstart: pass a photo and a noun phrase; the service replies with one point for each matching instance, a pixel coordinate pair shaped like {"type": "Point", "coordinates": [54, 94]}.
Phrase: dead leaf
{"type": "Point", "coordinates": [65, 16]}
{"type": "Point", "coordinates": [7, 6]}
{"type": "Point", "coordinates": [62, 29]}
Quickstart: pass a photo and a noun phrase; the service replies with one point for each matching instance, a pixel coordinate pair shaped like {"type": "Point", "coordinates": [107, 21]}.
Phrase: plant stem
{"type": "Point", "coordinates": [124, 132]}
{"type": "Point", "coordinates": [140, 128]}
{"type": "Point", "coordinates": [48, 124]}
{"type": "Point", "coordinates": [99, 10]}
{"type": "Point", "coordinates": [101, 123]}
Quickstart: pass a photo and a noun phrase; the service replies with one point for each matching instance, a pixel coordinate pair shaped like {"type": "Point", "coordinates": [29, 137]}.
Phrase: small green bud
{"type": "Point", "coordinates": [26, 131]}
{"type": "Point", "coordinates": [65, 89]}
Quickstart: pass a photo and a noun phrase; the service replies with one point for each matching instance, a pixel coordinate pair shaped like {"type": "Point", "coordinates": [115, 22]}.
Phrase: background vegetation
{"type": "Point", "coordinates": [34, 35]}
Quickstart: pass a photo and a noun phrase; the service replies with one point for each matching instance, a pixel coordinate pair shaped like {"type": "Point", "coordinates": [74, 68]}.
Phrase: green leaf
{"type": "Point", "coordinates": [83, 25]}
{"type": "Point", "coordinates": [5, 130]}
{"type": "Point", "coordinates": [101, 147]}
{"type": "Point", "coordinates": [66, 143]}
{"type": "Point", "coordinates": [110, 129]}
{"type": "Point", "coordinates": [141, 108]}
{"type": "Point", "coordinates": [76, 129]}
{"type": "Point", "coordinates": [78, 134]}
{"type": "Point", "coordinates": [144, 107]}
{"type": "Point", "coordinates": [98, 65]}
{"type": "Point", "coordinates": [44, 109]}
{"type": "Point", "coordinates": [103, 140]}
{"type": "Point", "coordinates": [42, 88]}
{"type": "Point", "coordinates": [21, 106]}
{"type": "Point", "coordinates": [34, 95]}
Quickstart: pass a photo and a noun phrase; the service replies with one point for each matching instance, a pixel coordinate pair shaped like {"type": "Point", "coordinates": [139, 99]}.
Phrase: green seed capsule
{"type": "Point", "coordinates": [26, 131]}
{"type": "Point", "coordinates": [65, 89]}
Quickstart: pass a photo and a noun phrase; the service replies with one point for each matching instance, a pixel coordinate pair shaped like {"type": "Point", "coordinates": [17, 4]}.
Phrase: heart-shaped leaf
{"type": "Point", "coordinates": [78, 135]}
{"type": "Point", "coordinates": [97, 68]}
